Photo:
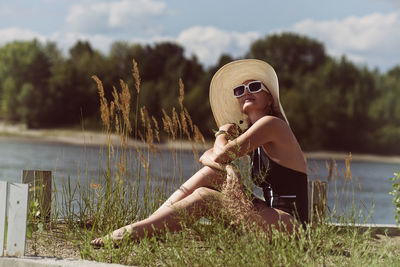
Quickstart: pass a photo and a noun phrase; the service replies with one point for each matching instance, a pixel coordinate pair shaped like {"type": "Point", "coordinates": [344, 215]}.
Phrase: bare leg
{"type": "Point", "coordinates": [205, 177]}
{"type": "Point", "coordinates": [279, 219]}
{"type": "Point", "coordinates": [197, 204]}
{"type": "Point", "coordinates": [189, 198]}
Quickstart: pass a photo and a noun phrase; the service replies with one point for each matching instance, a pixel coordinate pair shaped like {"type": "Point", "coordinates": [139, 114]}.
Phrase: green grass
{"type": "Point", "coordinates": [218, 245]}
{"type": "Point", "coordinates": [98, 205]}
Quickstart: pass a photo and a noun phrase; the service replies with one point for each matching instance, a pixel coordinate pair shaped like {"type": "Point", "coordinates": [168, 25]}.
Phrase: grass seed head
{"type": "Point", "coordinates": [104, 109]}
{"type": "Point", "coordinates": [136, 76]}
{"type": "Point", "coordinates": [181, 93]}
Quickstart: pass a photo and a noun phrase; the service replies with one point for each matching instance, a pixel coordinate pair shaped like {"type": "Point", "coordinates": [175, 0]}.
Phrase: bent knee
{"type": "Point", "coordinates": [214, 177]}
{"type": "Point", "coordinates": [204, 193]}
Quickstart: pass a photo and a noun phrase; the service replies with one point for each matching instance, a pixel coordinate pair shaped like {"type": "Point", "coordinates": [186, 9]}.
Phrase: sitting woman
{"type": "Point", "coordinates": [244, 97]}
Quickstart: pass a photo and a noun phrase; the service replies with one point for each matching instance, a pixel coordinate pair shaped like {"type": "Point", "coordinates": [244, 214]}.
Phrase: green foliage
{"type": "Point", "coordinates": [35, 225]}
{"type": "Point", "coordinates": [396, 195]}
{"type": "Point", "coordinates": [291, 55]}
{"type": "Point", "coordinates": [325, 99]}
{"type": "Point", "coordinates": [22, 65]}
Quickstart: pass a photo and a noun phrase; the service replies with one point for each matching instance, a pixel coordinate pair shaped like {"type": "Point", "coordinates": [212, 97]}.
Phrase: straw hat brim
{"type": "Point", "coordinates": [224, 105]}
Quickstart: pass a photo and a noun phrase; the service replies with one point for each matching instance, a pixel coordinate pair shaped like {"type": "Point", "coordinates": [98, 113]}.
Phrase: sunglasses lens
{"type": "Point", "coordinates": [238, 91]}
{"type": "Point", "coordinates": [254, 86]}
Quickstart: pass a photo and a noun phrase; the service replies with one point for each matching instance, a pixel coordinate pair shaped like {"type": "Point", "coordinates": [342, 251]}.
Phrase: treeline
{"type": "Point", "coordinates": [331, 104]}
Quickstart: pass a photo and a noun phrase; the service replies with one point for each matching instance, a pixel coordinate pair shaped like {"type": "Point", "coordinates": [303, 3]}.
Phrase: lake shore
{"type": "Point", "coordinates": [92, 138]}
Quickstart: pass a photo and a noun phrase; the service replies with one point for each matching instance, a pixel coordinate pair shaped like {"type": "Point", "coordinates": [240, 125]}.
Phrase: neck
{"type": "Point", "coordinates": [253, 117]}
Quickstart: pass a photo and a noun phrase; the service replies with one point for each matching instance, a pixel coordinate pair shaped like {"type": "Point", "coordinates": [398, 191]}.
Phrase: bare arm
{"type": "Point", "coordinates": [263, 131]}
{"type": "Point", "coordinates": [207, 159]}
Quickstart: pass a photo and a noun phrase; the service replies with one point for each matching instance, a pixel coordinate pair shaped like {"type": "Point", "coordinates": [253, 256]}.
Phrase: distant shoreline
{"type": "Point", "coordinates": [314, 155]}
{"type": "Point", "coordinates": [92, 138]}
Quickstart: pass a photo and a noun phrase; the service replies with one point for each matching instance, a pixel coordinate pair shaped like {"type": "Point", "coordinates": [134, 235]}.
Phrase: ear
{"type": "Point", "coordinates": [270, 106]}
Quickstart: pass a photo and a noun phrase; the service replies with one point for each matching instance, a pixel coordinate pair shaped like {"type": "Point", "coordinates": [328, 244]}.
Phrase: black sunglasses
{"type": "Point", "coordinates": [253, 87]}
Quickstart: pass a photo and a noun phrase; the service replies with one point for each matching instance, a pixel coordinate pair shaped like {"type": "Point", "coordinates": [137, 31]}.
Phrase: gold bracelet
{"type": "Point", "coordinates": [219, 132]}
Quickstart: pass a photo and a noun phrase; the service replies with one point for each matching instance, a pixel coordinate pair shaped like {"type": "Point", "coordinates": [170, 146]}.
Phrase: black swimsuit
{"type": "Point", "coordinates": [283, 188]}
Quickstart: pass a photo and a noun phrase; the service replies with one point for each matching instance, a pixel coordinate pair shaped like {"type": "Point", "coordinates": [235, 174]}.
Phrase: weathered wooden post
{"type": "Point", "coordinates": [3, 215]}
{"type": "Point", "coordinates": [13, 212]}
{"type": "Point", "coordinates": [317, 200]}
{"type": "Point", "coordinates": [39, 189]}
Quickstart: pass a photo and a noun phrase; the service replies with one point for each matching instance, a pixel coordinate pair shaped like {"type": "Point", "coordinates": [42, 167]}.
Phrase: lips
{"type": "Point", "coordinates": [248, 98]}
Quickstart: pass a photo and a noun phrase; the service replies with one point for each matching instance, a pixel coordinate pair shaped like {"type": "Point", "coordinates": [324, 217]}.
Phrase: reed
{"type": "Point", "coordinates": [127, 189]}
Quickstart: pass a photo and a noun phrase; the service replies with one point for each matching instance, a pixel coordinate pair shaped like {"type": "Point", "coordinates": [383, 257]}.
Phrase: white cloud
{"type": "Point", "coordinates": [15, 33]}
{"type": "Point", "coordinates": [373, 39]}
{"type": "Point", "coordinates": [68, 39]}
{"type": "Point", "coordinates": [64, 40]}
{"type": "Point", "coordinates": [208, 43]}
{"type": "Point", "coordinates": [121, 15]}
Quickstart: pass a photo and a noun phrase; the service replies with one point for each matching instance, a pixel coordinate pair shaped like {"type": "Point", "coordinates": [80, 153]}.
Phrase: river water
{"type": "Point", "coordinates": [75, 161]}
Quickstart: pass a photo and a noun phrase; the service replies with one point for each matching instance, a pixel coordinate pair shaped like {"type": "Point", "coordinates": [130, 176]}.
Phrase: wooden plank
{"type": "Point", "coordinates": [310, 193]}
{"type": "Point", "coordinates": [39, 188]}
{"type": "Point", "coordinates": [17, 216]}
{"type": "Point", "coordinates": [3, 204]}
{"type": "Point", "coordinates": [319, 200]}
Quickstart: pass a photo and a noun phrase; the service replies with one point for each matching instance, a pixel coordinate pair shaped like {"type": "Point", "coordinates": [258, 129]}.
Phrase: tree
{"type": "Point", "coordinates": [291, 55]}
{"type": "Point", "coordinates": [24, 67]}
{"type": "Point", "coordinates": [72, 87]}
{"type": "Point", "coordinates": [385, 113]}
{"type": "Point", "coordinates": [160, 67]}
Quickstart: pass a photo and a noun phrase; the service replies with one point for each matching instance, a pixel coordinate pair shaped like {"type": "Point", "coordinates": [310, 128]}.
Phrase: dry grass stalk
{"type": "Point", "coordinates": [168, 125]}
{"type": "Point", "coordinates": [145, 163]}
{"type": "Point", "coordinates": [185, 126]}
{"type": "Point", "coordinates": [157, 129]}
{"type": "Point", "coordinates": [239, 206]}
{"type": "Point", "coordinates": [104, 109]}
{"type": "Point", "coordinates": [329, 167]}
{"type": "Point", "coordinates": [112, 109]}
{"type": "Point", "coordinates": [116, 99]}
{"type": "Point", "coordinates": [181, 93]}
{"type": "Point", "coordinates": [189, 119]}
{"type": "Point", "coordinates": [177, 126]}
{"type": "Point", "coordinates": [125, 98]}
{"type": "Point", "coordinates": [348, 174]}
{"type": "Point", "coordinates": [311, 169]}
{"type": "Point", "coordinates": [117, 126]}
{"type": "Point", "coordinates": [136, 76]}
{"type": "Point", "coordinates": [146, 121]}
{"type": "Point", "coordinates": [115, 116]}
{"type": "Point", "coordinates": [198, 136]}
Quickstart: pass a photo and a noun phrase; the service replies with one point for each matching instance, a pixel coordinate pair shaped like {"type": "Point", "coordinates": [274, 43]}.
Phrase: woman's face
{"type": "Point", "coordinates": [255, 102]}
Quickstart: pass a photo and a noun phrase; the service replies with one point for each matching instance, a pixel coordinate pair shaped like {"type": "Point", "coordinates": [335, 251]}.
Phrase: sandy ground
{"type": "Point", "coordinates": [79, 137]}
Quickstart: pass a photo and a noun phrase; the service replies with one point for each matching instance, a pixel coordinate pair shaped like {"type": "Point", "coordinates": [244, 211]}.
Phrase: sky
{"type": "Point", "coordinates": [366, 31]}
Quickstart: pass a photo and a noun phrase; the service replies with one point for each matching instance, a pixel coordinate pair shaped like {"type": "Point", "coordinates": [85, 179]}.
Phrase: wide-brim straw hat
{"type": "Point", "coordinates": [225, 107]}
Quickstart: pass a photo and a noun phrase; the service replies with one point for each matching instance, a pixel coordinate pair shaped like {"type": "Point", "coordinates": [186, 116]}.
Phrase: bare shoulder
{"type": "Point", "coordinates": [282, 147]}
{"type": "Point", "coordinates": [272, 123]}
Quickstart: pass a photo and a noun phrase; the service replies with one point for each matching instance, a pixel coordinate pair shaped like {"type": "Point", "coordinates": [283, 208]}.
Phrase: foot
{"type": "Point", "coordinates": [116, 237]}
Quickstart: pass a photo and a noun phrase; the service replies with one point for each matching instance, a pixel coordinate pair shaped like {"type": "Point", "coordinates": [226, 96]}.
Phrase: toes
{"type": "Point", "coordinates": [97, 241]}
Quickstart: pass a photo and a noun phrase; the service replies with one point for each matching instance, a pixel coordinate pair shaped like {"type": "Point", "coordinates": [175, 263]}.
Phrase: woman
{"type": "Point", "coordinates": [244, 97]}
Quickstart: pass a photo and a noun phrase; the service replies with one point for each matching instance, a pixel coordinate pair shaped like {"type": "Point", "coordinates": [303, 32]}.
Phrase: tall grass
{"type": "Point", "coordinates": [346, 207]}
{"type": "Point", "coordinates": [126, 190]}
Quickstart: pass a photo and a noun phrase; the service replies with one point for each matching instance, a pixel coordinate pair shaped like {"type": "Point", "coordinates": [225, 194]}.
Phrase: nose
{"type": "Point", "coordinates": [246, 91]}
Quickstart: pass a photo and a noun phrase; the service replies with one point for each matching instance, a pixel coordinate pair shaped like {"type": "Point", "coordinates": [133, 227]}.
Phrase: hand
{"type": "Point", "coordinates": [207, 159]}
{"type": "Point", "coordinates": [233, 130]}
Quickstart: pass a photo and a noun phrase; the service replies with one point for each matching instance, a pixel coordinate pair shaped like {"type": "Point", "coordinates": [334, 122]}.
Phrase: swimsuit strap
{"type": "Point", "coordinates": [265, 171]}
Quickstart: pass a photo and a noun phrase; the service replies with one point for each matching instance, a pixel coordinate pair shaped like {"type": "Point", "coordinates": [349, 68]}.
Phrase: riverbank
{"type": "Point", "coordinates": [93, 138]}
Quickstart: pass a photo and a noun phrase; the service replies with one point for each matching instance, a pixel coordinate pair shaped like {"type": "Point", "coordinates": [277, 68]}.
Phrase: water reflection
{"type": "Point", "coordinates": [81, 163]}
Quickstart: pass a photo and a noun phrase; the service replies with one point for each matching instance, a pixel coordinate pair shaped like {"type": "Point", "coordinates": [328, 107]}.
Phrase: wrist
{"type": "Point", "coordinates": [220, 132]}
